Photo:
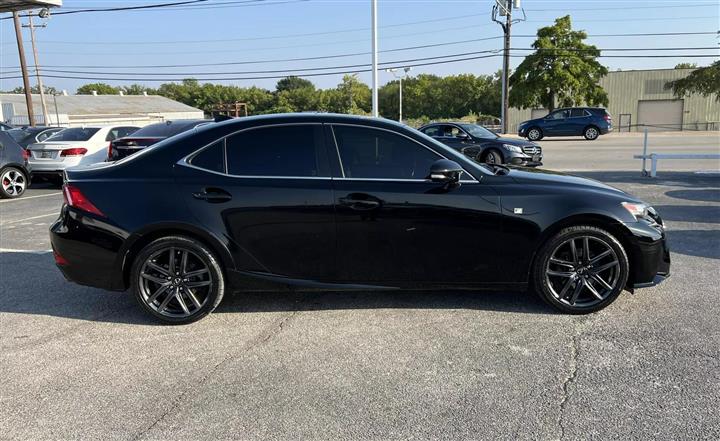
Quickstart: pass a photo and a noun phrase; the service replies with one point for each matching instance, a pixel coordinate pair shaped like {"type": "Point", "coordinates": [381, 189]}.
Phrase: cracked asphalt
{"type": "Point", "coordinates": [82, 363]}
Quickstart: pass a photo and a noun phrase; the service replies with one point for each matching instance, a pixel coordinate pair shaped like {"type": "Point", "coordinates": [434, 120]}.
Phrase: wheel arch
{"type": "Point", "coordinates": [607, 223]}
{"type": "Point", "coordinates": [154, 232]}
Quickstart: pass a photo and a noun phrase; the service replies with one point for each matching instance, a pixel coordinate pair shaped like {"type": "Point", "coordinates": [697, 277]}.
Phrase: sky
{"type": "Point", "coordinates": [264, 34]}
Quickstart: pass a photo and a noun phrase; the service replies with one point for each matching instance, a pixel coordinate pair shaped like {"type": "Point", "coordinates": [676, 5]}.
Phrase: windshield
{"type": "Point", "coordinates": [478, 131]}
{"type": "Point", "coordinates": [74, 134]}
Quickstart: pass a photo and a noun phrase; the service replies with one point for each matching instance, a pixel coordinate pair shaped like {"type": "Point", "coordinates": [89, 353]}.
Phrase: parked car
{"type": "Point", "coordinates": [483, 145]}
{"type": "Point", "coordinates": [590, 122]}
{"type": "Point", "coordinates": [14, 168]}
{"type": "Point", "coordinates": [31, 135]}
{"type": "Point", "coordinates": [150, 135]}
{"type": "Point", "coordinates": [4, 127]}
{"type": "Point", "coordinates": [344, 202]}
{"type": "Point", "coordinates": [73, 146]}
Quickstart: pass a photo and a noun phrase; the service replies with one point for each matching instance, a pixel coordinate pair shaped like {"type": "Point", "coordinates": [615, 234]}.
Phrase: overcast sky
{"type": "Point", "coordinates": [226, 31]}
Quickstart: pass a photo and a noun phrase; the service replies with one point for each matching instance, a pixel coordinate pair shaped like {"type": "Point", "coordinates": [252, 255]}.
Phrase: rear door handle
{"type": "Point", "coordinates": [213, 195]}
{"type": "Point", "coordinates": [360, 202]}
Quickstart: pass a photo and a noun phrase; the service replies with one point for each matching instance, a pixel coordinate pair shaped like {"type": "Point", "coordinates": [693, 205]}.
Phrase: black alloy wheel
{"type": "Point", "coordinates": [493, 157]}
{"type": "Point", "coordinates": [177, 279]}
{"type": "Point", "coordinates": [581, 270]}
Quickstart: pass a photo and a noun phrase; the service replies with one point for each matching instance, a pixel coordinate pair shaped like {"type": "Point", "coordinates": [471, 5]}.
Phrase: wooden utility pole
{"type": "Point", "coordinates": [506, 70]}
{"type": "Point", "coordinates": [46, 115]}
{"type": "Point", "coordinates": [23, 67]}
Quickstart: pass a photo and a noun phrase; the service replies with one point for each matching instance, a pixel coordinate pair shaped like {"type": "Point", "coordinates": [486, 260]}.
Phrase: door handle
{"type": "Point", "coordinates": [360, 202]}
{"type": "Point", "coordinates": [213, 195]}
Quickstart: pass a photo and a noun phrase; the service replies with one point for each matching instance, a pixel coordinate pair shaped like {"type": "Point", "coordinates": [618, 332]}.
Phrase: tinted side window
{"type": "Point", "coordinates": [293, 150]}
{"type": "Point", "coordinates": [211, 158]}
{"type": "Point", "coordinates": [432, 131]}
{"type": "Point", "coordinates": [378, 154]}
{"type": "Point", "coordinates": [574, 113]}
{"type": "Point", "coordinates": [560, 114]}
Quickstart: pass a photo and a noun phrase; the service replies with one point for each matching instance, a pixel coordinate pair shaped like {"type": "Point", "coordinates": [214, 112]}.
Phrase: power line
{"type": "Point", "coordinates": [625, 8]}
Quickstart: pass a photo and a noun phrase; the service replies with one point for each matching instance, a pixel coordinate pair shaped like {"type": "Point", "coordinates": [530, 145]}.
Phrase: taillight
{"type": "Point", "coordinates": [110, 155]}
{"type": "Point", "coordinates": [76, 199]}
{"type": "Point", "coordinates": [60, 260]}
{"type": "Point", "coordinates": [75, 151]}
{"type": "Point", "coordinates": [607, 117]}
{"type": "Point", "coordinates": [26, 154]}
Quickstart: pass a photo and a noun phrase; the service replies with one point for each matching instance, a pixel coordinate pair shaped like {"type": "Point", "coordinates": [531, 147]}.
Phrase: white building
{"type": "Point", "coordinates": [79, 110]}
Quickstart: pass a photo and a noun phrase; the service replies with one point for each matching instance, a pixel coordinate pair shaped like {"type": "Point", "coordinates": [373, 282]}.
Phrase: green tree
{"type": "Point", "coordinates": [686, 66]}
{"type": "Point", "coordinates": [137, 89]}
{"type": "Point", "coordinates": [563, 71]}
{"type": "Point", "coordinates": [293, 83]}
{"type": "Point", "coordinates": [100, 88]}
{"type": "Point", "coordinates": [704, 80]}
{"type": "Point", "coordinates": [35, 89]}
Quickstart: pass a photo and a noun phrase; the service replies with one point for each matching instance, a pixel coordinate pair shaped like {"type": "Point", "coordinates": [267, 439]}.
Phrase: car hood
{"type": "Point", "coordinates": [548, 177]}
{"type": "Point", "coordinates": [515, 141]}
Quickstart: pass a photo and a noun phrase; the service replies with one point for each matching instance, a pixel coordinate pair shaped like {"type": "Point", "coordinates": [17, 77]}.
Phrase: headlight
{"type": "Point", "coordinates": [513, 148]}
{"type": "Point", "coordinates": [637, 210]}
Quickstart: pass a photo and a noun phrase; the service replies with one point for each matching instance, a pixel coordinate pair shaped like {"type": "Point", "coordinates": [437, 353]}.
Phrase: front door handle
{"type": "Point", "coordinates": [213, 195]}
{"type": "Point", "coordinates": [360, 201]}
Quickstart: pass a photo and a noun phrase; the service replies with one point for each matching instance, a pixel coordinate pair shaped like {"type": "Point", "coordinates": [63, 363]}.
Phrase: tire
{"type": "Point", "coordinates": [13, 183]}
{"type": "Point", "coordinates": [185, 295]}
{"type": "Point", "coordinates": [534, 134]}
{"type": "Point", "coordinates": [591, 133]}
{"type": "Point", "coordinates": [493, 157]}
{"type": "Point", "coordinates": [557, 283]}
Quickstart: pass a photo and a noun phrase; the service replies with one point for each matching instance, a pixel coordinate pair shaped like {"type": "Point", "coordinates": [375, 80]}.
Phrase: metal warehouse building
{"type": "Point", "coordinates": [78, 110]}
{"type": "Point", "coordinates": [638, 99]}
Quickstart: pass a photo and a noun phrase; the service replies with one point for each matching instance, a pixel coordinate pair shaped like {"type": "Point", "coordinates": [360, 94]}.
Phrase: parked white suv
{"type": "Point", "coordinates": [73, 146]}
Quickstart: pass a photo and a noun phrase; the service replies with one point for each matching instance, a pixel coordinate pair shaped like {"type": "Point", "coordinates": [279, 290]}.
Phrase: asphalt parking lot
{"type": "Point", "coordinates": [78, 362]}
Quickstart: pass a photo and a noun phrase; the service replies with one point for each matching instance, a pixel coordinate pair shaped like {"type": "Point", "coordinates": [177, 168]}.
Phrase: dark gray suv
{"type": "Point", "coordinates": [14, 168]}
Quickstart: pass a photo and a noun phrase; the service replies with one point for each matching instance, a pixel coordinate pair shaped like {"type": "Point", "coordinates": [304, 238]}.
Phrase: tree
{"type": "Point", "coordinates": [704, 80]}
{"type": "Point", "coordinates": [293, 83]}
{"type": "Point", "coordinates": [563, 71]}
{"type": "Point", "coordinates": [35, 89]}
{"type": "Point", "coordinates": [137, 89]}
{"type": "Point", "coordinates": [100, 88]}
{"type": "Point", "coordinates": [686, 66]}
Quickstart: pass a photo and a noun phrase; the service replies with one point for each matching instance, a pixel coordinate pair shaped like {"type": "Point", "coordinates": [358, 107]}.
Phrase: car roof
{"type": "Point", "coordinates": [310, 117]}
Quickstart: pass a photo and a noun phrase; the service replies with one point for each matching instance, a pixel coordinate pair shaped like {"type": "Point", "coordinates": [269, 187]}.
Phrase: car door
{"type": "Point", "coordinates": [579, 119]}
{"type": "Point", "coordinates": [555, 123]}
{"type": "Point", "coordinates": [397, 228]}
{"type": "Point", "coordinates": [268, 191]}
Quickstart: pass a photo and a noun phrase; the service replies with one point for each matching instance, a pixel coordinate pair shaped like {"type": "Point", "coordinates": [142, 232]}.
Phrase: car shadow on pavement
{"type": "Point", "coordinates": [39, 289]}
{"type": "Point", "coordinates": [690, 213]}
{"type": "Point", "coordinates": [698, 243]}
{"type": "Point", "coordinates": [712, 195]}
{"type": "Point", "coordinates": [665, 179]}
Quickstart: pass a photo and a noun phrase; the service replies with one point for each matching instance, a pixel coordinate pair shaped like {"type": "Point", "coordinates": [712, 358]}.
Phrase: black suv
{"type": "Point", "coordinates": [483, 145]}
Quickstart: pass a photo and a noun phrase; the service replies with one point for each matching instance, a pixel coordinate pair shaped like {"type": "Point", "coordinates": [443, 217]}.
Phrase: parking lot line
{"type": "Point", "coordinates": [30, 197]}
{"type": "Point", "coordinates": [54, 213]}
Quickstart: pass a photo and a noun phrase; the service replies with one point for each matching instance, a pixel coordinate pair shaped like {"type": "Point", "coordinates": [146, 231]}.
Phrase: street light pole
{"type": "Point", "coordinates": [400, 78]}
{"type": "Point", "coordinates": [375, 111]}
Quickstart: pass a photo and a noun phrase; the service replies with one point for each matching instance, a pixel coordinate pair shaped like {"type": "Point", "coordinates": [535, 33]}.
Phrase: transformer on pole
{"type": "Point", "coordinates": [504, 8]}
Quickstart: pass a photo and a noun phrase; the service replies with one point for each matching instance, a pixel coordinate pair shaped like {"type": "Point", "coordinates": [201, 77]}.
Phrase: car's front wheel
{"type": "Point", "coordinates": [13, 183]}
{"type": "Point", "coordinates": [581, 270]}
{"type": "Point", "coordinates": [493, 157]}
{"type": "Point", "coordinates": [591, 133]}
{"type": "Point", "coordinates": [177, 279]}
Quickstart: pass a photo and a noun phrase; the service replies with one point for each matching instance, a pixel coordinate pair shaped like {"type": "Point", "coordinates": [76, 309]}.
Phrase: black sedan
{"type": "Point", "coordinates": [32, 135]}
{"type": "Point", "coordinates": [483, 145]}
{"type": "Point", "coordinates": [338, 202]}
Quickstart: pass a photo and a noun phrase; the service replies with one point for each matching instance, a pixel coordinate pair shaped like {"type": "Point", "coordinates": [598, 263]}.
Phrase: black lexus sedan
{"type": "Point", "coordinates": [483, 145]}
{"type": "Point", "coordinates": [337, 202]}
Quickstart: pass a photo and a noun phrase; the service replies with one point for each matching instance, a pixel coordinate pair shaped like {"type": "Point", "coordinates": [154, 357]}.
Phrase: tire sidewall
{"type": "Point", "coordinates": [5, 195]}
{"type": "Point", "coordinates": [539, 281]}
{"type": "Point", "coordinates": [495, 155]}
{"type": "Point", "coordinates": [180, 242]}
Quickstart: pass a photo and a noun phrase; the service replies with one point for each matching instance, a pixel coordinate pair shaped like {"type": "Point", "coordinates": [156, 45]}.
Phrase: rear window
{"type": "Point", "coordinates": [165, 130]}
{"type": "Point", "coordinates": [18, 134]}
{"type": "Point", "coordinates": [74, 134]}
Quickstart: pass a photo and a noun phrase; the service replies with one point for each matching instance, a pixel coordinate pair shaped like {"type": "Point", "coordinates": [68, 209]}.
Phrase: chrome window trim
{"type": "Point", "coordinates": [185, 160]}
{"type": "Point", "coordinates": [405, 136]}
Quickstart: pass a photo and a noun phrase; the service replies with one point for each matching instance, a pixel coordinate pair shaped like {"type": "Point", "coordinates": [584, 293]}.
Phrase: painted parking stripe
{"type": "Point", "coordinates": [25, 198]}
{"type": "Point", "coordinates": [54, 213]}
{"type": "Point", "coordinates": [12, 250]}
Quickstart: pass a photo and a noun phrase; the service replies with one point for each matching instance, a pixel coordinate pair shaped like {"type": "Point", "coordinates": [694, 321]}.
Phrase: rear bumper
{"type": "Point", "coordinates": [86, 250]}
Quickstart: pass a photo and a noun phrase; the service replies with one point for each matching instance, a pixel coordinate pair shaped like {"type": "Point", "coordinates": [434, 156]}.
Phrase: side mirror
{"type": "Point", "coordinates": [445, 171]}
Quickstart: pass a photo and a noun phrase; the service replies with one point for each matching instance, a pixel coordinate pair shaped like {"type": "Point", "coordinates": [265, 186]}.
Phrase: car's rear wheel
{"type": "Point", "coordinates": [177, 279]}
{"type": "Point", "coordinates": [493, 157]}
{"type": "Point", "coordinates": [591, 133]}
{"type": "Point", "coordinates": [13, 183]}
{"type": "Point", "coordinates": [581, 270]}
{"type": "Point", "coordinates": [534, 134]}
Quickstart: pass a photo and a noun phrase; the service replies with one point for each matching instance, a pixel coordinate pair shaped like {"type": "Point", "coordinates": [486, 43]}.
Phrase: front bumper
{"type": "Point", "coordinates": [650, 256]}
{"type": "Point", "coordinates": [523, 159]}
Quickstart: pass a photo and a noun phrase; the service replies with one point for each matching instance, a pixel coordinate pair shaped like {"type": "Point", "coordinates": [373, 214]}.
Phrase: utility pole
{"type": "Point", "coordinates": [23, 67]}
{"type": "Point", "coordinates": [375, 111]}
{"type": "Point", "coordinates": [46, 115]}
{"type": "Point", "coordinates": [504, 8]}
{"type": "Point", "coordinates": [400, 79]}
